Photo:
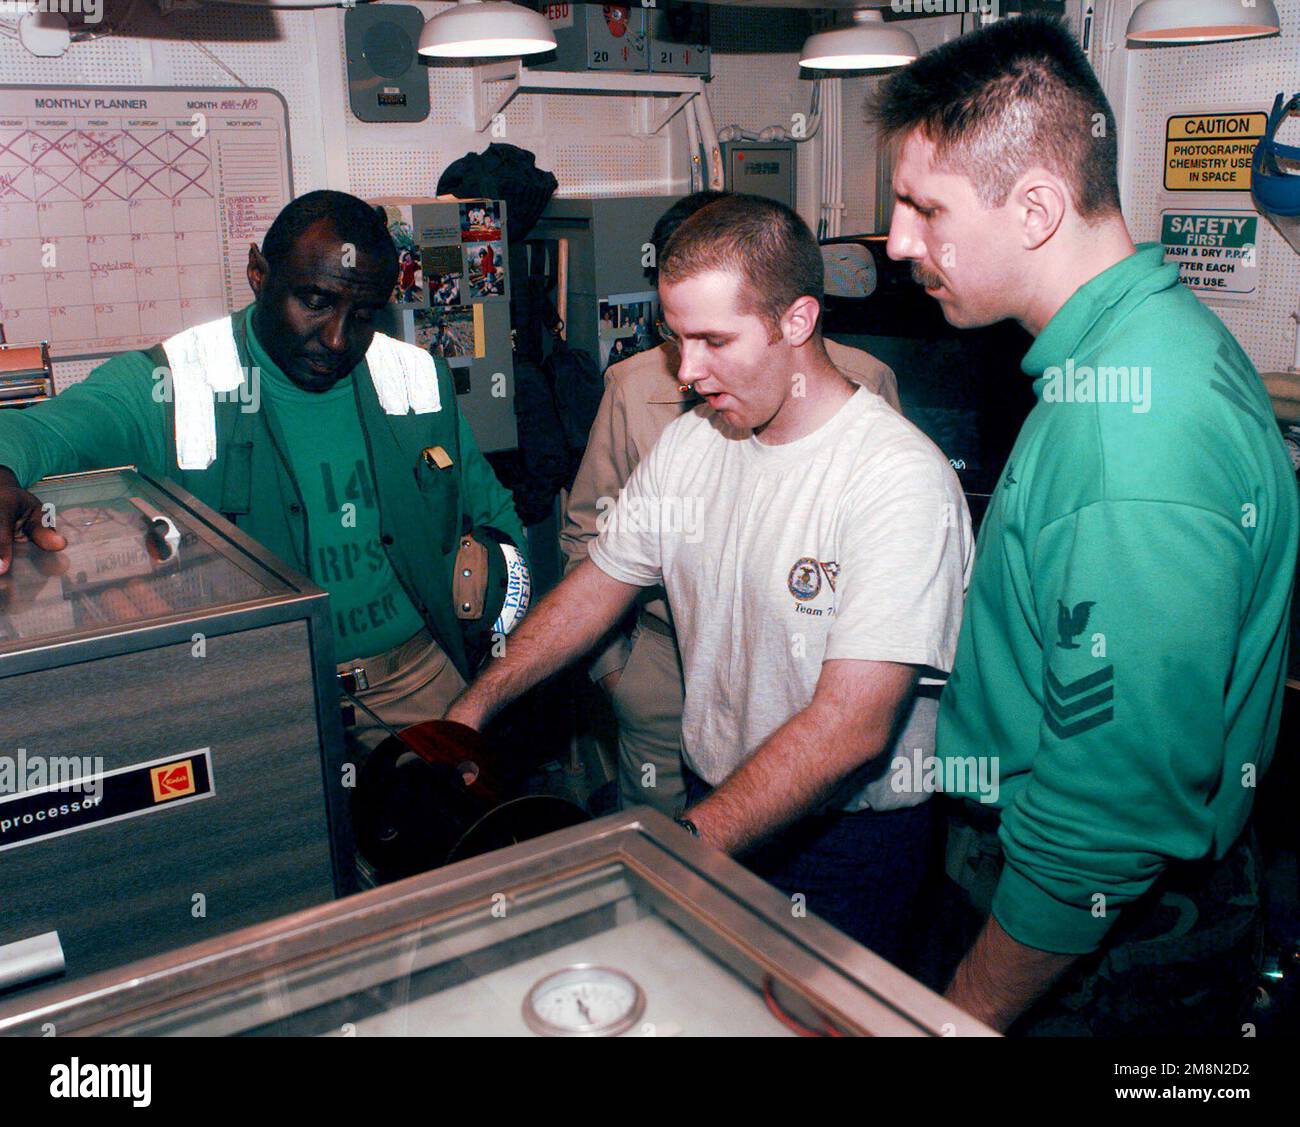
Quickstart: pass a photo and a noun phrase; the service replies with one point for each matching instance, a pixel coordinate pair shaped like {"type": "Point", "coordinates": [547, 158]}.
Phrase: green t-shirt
{"type": "Point", "coordinates": [327, 455]}
{"type": "Point", "coordinates": [1122, 655]}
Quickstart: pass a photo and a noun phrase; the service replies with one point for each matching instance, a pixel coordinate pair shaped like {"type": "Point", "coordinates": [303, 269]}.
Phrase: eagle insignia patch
{"type": "Point", "coordinates": [804, 581]}
{"type": "Point", "coordinates": [1070, 623]}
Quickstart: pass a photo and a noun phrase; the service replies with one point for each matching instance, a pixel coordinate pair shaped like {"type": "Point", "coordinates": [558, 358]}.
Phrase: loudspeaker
{"type": "Point", "coordinates": [385, 79]}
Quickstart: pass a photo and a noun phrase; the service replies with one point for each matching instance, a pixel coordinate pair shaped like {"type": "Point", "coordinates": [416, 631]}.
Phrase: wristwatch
{"type": "Point", "coordinates": [686, 824]}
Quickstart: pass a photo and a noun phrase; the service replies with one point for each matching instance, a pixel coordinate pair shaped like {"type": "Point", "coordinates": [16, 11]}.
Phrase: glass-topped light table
{"type": "Point", "coordinates": [626, 925]}
{"type": "Point", "coordinates": [169, 668]}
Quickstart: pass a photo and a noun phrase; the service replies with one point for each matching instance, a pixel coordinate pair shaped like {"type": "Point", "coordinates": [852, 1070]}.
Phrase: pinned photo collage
{"type": "Point", "coordinates": [470, 269]}
{"type": "Point", "coordinates": [627, 326]}
{"type": "Point", "coordinates": [446, 271]}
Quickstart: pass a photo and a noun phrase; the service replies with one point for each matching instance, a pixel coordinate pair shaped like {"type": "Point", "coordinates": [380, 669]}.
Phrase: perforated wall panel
{"type": "Point", "coordinates": [394, 171]}
{"type": "Point", "coordinates": [588, 142]}
{"type": "Point", "coordinates": [582, 169]}
{"type": "Point", "coordinates": [758, 82]}
{"type": "Point", "coordinates": [100, 61]}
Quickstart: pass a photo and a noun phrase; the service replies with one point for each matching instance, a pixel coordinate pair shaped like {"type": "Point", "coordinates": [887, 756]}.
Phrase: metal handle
{"type": "Point", "coordinates": [29, 959]}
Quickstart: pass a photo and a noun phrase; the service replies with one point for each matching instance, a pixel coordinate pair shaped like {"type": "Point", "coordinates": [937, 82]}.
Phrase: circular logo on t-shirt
{"type": "Point", "coordinates": [805, 579]}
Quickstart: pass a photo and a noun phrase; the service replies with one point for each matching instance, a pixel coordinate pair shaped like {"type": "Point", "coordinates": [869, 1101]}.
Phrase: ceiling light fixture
{"type": "Point", "coordinates": [1169, 22]}
{"type": "Point", "coordinates": [866, 44]}
{"type": "Point", "coordinates": [482, 29]}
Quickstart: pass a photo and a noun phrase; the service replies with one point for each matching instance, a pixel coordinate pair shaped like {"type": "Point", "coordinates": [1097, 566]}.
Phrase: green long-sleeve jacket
{"type": "Point", "coordinates": [1123, 651]}
{"type": "Point", "coordinates": [121, 415]}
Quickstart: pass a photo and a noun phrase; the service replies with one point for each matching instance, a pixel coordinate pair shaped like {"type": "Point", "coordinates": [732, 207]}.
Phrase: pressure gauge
{"type": "Point", "coordinates": [583, 1001]}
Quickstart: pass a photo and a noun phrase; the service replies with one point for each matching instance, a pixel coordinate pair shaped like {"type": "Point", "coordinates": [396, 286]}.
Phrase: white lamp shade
{"type": "Point", "coordinates": [868, 44]}
{"type": "Point", "coordinates": [1201, 21]}
{"type": "Point", "coordinates": [490, 29]}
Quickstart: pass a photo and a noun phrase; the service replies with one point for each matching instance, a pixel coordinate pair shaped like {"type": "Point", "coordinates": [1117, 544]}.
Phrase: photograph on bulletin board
{"type": "Point", "coordinates": [410, 292]}
{"type": "Point", "coordinates": [485, 270]}
{"type": "Point", "coordinates": [454, 334]}
{"type": "Point", "coordinates": [442, 274]}
{"type": "Point", "coordinates": [480, 221]}
{"type": "Point", "coordinates": [627, 326]}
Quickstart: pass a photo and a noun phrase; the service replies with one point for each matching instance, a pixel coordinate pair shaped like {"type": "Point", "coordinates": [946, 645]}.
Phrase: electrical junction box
{"type": "Point", "coordinates": [760, 168]}
{"type": "Point", "coordinates": [595, 37]}
{"type": "Point", "coordinates": [679, 38]}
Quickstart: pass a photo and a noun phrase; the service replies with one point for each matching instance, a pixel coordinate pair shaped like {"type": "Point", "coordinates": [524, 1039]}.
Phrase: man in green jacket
{"type": "Point", "coordinates": [339, 449]}
{"type": "Point", "coordinates": [1118, 681]}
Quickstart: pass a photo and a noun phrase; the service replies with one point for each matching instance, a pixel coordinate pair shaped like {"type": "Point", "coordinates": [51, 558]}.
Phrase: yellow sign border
{"type": "Point", "coordinates": [1255, 115]}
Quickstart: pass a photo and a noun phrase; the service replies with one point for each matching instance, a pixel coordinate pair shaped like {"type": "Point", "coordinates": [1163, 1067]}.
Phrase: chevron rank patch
{"type": "Point", "coordinates": [1073, 707]}
{"type": "Point", "coordinates": [1235, 382]}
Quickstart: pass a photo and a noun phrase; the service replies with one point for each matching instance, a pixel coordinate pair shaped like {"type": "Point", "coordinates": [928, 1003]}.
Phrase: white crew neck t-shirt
{"type": "Point", "coordinates": [851, 542]}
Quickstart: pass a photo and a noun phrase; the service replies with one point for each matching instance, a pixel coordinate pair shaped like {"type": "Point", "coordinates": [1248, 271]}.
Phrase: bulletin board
{"type": "Point", "coordinates": [126, 212]}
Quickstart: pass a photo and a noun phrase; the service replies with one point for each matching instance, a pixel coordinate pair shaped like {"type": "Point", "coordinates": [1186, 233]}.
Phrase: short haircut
{"type": "Point", "coordinates": [763, 242]}
{"type": "Point", "coordinates": [353, 220]}
{"type": "Point", "coordinates": [1001, 100]}
{"type": "Point", "coordinates": [673, 218]}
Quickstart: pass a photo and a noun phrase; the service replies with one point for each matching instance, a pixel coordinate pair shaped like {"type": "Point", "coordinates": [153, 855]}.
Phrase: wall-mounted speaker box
{"type": "Point", "coordinates": [386, 80]}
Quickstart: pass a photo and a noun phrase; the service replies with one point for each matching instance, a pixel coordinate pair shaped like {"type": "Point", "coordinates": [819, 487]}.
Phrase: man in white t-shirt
{"type": "Point", "coordinates": [814, 546]}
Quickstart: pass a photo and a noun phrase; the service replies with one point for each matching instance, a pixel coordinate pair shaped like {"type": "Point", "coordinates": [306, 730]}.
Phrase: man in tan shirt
{"type": "Point", "coordinates": [643, 672]}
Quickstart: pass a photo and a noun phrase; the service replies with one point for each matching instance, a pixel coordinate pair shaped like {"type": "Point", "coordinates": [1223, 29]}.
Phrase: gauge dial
{"type": "Point", "coordinates": [584, 1001]}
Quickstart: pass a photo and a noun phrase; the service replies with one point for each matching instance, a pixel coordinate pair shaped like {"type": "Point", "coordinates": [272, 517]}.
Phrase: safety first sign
{"type": "Point", "coordinates": [1211, 152]}
{"type": "Point", "coordinates": [1215, 250]}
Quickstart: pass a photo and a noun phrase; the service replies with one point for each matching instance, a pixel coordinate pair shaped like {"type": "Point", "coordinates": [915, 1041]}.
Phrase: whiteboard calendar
{"type": "Point", "coordinates": [126, 213]}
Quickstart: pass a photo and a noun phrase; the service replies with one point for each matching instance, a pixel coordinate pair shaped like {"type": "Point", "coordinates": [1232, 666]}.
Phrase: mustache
{"type": "Point", "coordinates": [923, 277]}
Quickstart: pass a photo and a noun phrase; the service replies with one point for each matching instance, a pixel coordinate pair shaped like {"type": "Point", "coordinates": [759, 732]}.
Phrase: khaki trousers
{"type": "Point", "coordinates": [412, 682]}
{"type": "Point", "coordinates": [648, 703]}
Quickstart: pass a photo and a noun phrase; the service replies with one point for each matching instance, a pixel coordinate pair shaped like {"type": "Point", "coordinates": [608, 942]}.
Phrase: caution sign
{"type": "Point", "coordinates": [1215, 250]}
{"type": "Point", "coordinates": [1211, 152]}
